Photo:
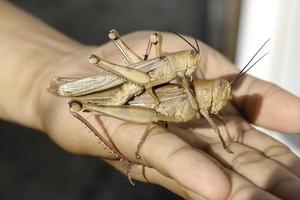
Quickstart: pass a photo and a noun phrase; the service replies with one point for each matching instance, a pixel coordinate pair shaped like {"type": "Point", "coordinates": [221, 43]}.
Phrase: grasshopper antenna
{"type": "Point", "coordinates": [196, 43]}
{"type": "Point", "coordinates": [184, 40]}
{"type": "Point", "coordinates": [245, 70]}
{"type": "Point", "coordinates": [252, 65]}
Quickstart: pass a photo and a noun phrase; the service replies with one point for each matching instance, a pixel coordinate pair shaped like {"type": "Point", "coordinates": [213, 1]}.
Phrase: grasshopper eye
{"type": "Point", "coordinates": [193, 53]}
{"type": "Point", "coordinates": [75, 106]}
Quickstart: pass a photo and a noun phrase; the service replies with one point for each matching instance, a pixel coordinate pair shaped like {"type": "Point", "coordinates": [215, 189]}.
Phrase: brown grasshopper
{"type": "Point", "coordinates": [177, 103]}
{"type": "Point", "coordinates": [180, 64]}
{"type": "Point", "coordinates": [162, 69]}
{"type": "Point", "coordinates": [175, 106]}
{"type": "Point", "coordinates": [139, 74]}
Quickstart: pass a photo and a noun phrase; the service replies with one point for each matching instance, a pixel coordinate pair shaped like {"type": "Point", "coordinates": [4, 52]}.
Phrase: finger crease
{"type": "Point", "coordinates": [246, 158]}
{"type": "Point", "coordinates": [242, 190]}
{"type": "Point", "coordinates": [277, 151]}
{"type": "Point", "coordinates": [178, 150]}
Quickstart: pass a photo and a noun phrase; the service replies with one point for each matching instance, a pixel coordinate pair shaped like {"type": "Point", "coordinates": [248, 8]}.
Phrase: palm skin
{"type": "Point", "coordinates": [188, 159]}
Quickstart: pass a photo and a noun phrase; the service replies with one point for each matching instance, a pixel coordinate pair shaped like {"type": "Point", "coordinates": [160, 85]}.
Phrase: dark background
{"type": "Point", "coordinates": [33, 167]}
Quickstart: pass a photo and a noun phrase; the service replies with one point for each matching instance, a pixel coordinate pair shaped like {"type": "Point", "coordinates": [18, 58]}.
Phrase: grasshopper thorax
{"type": "Point", "coordinates": [221, 95]}
{"type": "Point", "coordinates": [212, 95]}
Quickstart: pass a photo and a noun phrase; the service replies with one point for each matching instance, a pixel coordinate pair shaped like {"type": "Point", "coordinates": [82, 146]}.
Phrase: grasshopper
{"type": "Point", "coordinates": [162, 69]}
{"type": "Point", "coordinates": [139, 74]}
{"type": "Point", "coordinates": [176, 102]}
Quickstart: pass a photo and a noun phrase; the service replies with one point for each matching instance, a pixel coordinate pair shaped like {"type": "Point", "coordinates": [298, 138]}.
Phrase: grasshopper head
{"type": "Point", "coordinates": [192, 57]}
{"type": "Point", "coordinates": [212, 95]}
{"type": "Point", "coordinates": [221, 94]}
{"type": "Point", "coordinates": [193, 62]}
{"type": "Point", "coordinates": [74, 106]}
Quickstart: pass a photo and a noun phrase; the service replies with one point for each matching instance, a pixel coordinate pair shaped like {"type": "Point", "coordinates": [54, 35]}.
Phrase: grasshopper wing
{"type": "Point", "coordinates": [72, 87]}
{"type": "Point", "coordinates": [77, 87]}
{"type": "Point", "coordinates": [174, 102]}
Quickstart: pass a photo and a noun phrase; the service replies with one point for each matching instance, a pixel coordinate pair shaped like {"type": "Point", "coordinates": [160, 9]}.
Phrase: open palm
{"type": "Point", "coordinates": [188, 159]}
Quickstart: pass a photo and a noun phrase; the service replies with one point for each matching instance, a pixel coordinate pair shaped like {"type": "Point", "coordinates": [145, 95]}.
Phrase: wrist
{"type": "Point", "coordinates": [26, 79]}
{"type": "Point", "coordinates": [72, 64]}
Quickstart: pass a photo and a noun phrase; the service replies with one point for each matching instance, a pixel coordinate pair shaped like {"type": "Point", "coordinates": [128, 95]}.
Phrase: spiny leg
{"type": "Point", "coordinates": [149, 88]}
{"type": "Point", "coordinates": [156, 40]}
{"type": "Point", "coordinates": [229, 139]}
{"type": "Point", "coordinates": [153, 95]}
{"type": "Point", "coordinates": [129, 55]}
{"type": "Point", "coordinates": [127, 72]}
{"type": "Point", "coordinates": [133, 75]}
{"type": "Point", "coordinates": [185, 84]}
{"type": "Point", "coordinates": [215, 128]}
{"type": "Point", "coordinates": [74, 108]}
{"type": "Point", "coordinates": [140, 144]}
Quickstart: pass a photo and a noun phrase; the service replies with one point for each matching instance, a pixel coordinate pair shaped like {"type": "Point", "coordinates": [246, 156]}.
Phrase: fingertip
{"type": "Point", "coordinates": [202, 175]}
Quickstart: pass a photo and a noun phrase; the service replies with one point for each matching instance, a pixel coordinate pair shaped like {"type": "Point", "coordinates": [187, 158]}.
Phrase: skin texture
{"type": "Point", "coordinates": [187, 159]}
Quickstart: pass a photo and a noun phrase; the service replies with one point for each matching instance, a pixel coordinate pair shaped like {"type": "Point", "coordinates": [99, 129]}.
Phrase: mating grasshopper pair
{"type": "Point", "coordinates": [141, 92]}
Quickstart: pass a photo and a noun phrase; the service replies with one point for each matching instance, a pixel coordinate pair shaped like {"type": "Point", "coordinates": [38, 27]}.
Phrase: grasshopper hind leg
{"type": "Point", "coordinates": [74, 108]}
{"type": "Point", "coordinates": [131, 57]}
{"type": "Point", "coordinates": [143, 138]}
{"type": "Point", "coordinates": [128, 54]}
{"type": "Point", "coordinates": [145, 135]}
{"type": "Point", "coordinates": [156, 40]}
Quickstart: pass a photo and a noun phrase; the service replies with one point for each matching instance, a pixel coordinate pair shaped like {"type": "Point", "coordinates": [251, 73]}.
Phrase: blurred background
{"type": "Point", "coordinates": [32, 167]}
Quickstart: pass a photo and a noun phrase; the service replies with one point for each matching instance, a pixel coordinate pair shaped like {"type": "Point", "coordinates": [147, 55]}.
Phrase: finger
{"type": "Point", "coordinates": [150, 175]}
{"type": "Point", "coordinates": [241, 188]}
{"type": "Point", "coordinates": [243, 133]}
{"type": "Point", "coordinates": [265, 144]}
{"type": "Point", "coordinates": [163, 151]}
{"type": "Point", "coordinates": [254, 166]}
{"type": "Point", "coordinates": [263, 172]}
{"type": "Point", "coordinates": [267, 105]}
{"type": "Point", "coordinates": [262, 102]}
{"type": "Point", "coordinates": [171, 156]}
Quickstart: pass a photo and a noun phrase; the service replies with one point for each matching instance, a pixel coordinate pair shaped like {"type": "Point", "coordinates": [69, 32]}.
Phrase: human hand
{"type": "Point", "coordinates": [190, 162]}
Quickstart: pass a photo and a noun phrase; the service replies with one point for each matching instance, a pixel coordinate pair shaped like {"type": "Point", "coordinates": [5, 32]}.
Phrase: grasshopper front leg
{"type": "Point", "coordinates": [191, 95]}
{"type": "Point", "coordinates": [216, 129]}
{"type": "Point", "coordinates": [229, 139]}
